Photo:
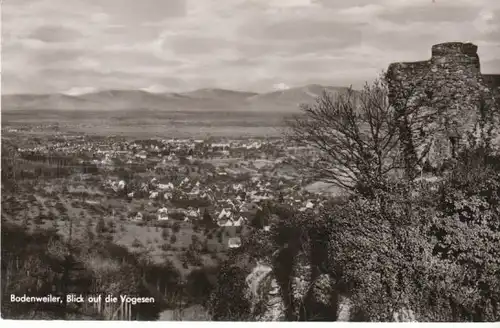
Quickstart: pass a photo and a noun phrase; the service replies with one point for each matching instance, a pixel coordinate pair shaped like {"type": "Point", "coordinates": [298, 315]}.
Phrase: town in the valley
{"type": "Point", "coordinates": [208, 190]}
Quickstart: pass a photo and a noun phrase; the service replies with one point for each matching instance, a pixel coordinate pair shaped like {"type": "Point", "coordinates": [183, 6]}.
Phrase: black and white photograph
{"type": "Point", "coordinates": [250, 160]}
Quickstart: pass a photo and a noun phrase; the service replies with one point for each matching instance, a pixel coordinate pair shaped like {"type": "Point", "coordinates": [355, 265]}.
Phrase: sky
{"type": "Point", "coordinates": [78, 46]}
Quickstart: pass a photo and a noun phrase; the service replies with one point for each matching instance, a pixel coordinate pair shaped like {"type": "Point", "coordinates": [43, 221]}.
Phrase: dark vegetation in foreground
{"type": "Point", "coordinates": [400, 248]}
{"type": "Point", "coordinates": [40, 263]}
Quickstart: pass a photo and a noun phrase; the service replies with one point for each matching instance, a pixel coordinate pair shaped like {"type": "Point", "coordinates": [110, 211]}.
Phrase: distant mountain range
{"type": "Point", "coordinates": [200, 100]}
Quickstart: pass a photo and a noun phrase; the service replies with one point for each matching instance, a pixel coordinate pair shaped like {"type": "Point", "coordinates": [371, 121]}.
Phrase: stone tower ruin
{"type": "Point", "coordinates": [446, 99]}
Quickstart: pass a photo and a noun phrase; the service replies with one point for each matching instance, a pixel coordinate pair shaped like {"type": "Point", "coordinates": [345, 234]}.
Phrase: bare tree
{"type": "Point", "coordinates": [365, 137]}
{"type": "Point", "coordinates": [356, 133]}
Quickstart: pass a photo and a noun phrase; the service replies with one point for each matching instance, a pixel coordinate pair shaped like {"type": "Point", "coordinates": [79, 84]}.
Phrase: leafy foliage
{"type": "Point", "coordinates": [441, 259]}
{"type": "Point", "coordinates": [228, 301]}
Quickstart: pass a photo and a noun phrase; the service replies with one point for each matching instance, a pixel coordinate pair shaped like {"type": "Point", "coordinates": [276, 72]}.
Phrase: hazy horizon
{"type": "Point", "coordinates": [84, 46]}
{"type": "Point", "coordinates": [174, 92]}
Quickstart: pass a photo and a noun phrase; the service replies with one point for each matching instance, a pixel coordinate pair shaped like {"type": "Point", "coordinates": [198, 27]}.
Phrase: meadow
{"type": "Point", "coordinates": [150, 124]}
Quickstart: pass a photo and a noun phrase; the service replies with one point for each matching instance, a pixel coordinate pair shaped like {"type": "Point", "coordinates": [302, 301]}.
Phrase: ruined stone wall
{"type": "Point", "coordinates": [443, 96]}
{"type": "Point", "coordinates": [493, 81]}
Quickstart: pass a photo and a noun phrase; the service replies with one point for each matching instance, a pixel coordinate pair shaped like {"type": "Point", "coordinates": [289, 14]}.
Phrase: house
{"type": "Point", "coordinates": [138, 216]}
{"type": "Point", "coordinates": [121, 185]}
{"type": "Point", "coordinates": [238, 223]}
{"type": "Point", "coordinates": [220, 145]}
{"type": "Point", "coordinates": [193, 213]}
{"type": "Point", "coordinates": [168, 186]}
{"type": "Point", "coordinates": [234, 242]}
{"type": "Point", "coordinates": [237, 187]}
{"type": "Point", "coordinates": [249, 207]}
{"type": "Point", "coordinates": [162, 214]}
{"type": "Point", "coordinates": [194, 192]}
{"type": "Point", "coordinates": [204, 195]}
{"type": "Point", "coordinates": [142, 154]}
{"type": "Point", "coordinates": [225, 213]}
{"type": "Point", "coordinates": [230, 203]}
{"type": "Point", "coordinates": [225, 222]}
{"type": "Point", "coordinates": [309, 206]}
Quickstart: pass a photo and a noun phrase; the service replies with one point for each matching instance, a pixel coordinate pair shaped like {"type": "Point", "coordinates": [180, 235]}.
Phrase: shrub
{"type": "Point", "coordinates": [101, 226]}
{"type": "Point", "coordinates": [466, 238]}
{"type": "Point", "coordinates": [379, 249]}
{"type": "Point", "coordinates": [39, 220]}
{"type": "Point", "coordinates": [228, 301]}
{"type": "Point", "coordinates": [220, 238]}
{"type": "Point", "coordinates": [176, 227]}
{"type": "Point", "coordinates": [111, 226]}
{"type": "Point", "coordinates": [434, 252]}
{"type": "Point", "coordinates": [193, 257]}
{"type": "Point", "coordinates": [173, 239]}
{"type": "Point", "coordinates": [165, 233]}
{"type": "Point", "coordinates": [200, 285]}
{"type": "Point", "coordinates": [136, 243]}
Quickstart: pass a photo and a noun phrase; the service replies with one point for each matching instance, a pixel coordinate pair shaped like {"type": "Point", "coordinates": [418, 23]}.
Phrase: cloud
{"type": "Point", "coordinates": [281, 86]}
{"type": "Point", "coordinates": [303, 29]}
{"type": "Point", "coordinates": [343, 4]}
{"type": "Point", "coordinates": [155, 88]}
{"type": "Point", "coordinates": [192, 45]}
{"type": "Point", "coordinates": [60, 45]}
{"type": "Point", "coordinates": [54, 33]}
{"type": "Point", "coordinates": [77, 91]}
{"type": "Point", "coordinates": [435, 13]}
{"type": "Point", "coordinates": [134, 12]}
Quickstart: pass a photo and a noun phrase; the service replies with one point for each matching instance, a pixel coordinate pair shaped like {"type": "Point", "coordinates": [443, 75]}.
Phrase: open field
{"type": "Point", "coordinates": [149, 123]}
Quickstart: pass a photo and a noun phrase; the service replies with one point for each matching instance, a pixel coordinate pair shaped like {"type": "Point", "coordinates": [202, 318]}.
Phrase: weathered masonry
{"type": "Point", "coordinates": [446, 98]}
